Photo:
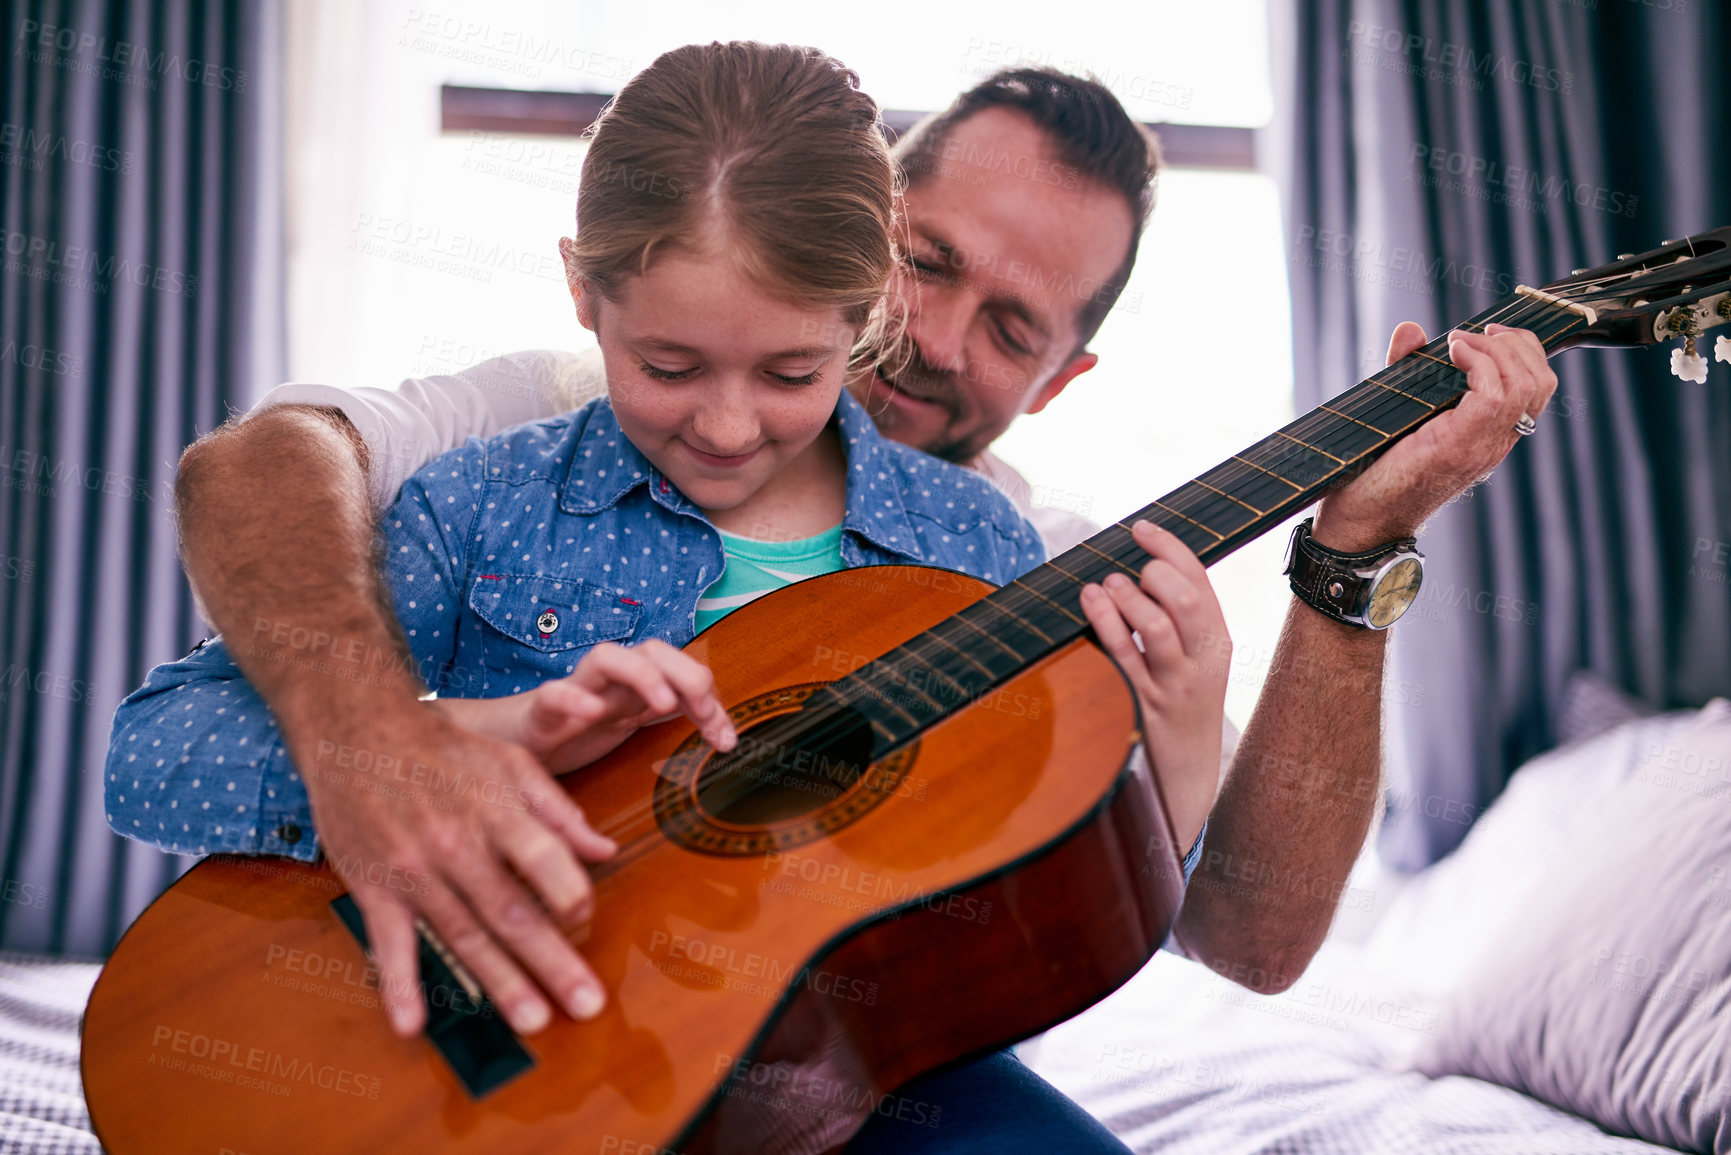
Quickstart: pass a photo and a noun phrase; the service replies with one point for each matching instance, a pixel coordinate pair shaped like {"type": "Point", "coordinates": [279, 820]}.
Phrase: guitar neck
{"type": "Point", "coordinates": [955, 663]}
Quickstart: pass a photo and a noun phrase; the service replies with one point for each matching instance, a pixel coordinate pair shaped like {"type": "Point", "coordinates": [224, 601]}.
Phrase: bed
{"type": "Point", "coordinates": [1182, 1062]}
{"type": "Point", "coordinates": [41, 1103]}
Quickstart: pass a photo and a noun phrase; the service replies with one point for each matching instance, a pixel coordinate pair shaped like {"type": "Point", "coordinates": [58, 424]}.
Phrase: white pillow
{"type": "Point", "coordinates": [1437, 923]}
{"type": "Point", "coordinates": [1605, 992]}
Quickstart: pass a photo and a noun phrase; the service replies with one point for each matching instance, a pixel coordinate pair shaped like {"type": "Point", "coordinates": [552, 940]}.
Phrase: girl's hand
{"type": "Point", "coordinates": [1169, 637]}
{"type": "Point", "coordinates": [613, 692]}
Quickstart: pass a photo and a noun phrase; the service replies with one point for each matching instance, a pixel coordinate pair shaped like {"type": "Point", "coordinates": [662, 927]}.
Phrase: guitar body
{"type": "Point", "coordinates": [771, 979]}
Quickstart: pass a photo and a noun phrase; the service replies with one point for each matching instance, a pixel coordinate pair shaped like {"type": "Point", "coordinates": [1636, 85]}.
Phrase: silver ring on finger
{"type": "Point", "coordinates": [1526, 425]}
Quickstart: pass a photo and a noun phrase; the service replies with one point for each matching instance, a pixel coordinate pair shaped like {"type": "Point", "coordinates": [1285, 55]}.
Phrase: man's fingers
{"type": "Point", "coordinates": [1471, 353]}
{"type": "Point", "coordinates": [481, 953]}
{"type": "Point", "coordinates": [546, 801]}
{"type": "Point", "coordinates": [1522, 348]}
{"type": "Point", "coordinates": [1407, 336]}
{"type": "Point", "coordinates": [510, 919]}
{"type": "Point", "coordinates": [547, 865]}
{"type": "Point", "coordinates": [391, 935]}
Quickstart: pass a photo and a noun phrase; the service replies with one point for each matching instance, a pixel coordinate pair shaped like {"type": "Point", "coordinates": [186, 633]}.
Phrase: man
{"type": "Point", "coordinates": [1032, 180]}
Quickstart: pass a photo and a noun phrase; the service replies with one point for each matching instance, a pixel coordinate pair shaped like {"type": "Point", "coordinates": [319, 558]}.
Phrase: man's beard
{"type": "Point", "coordinates": [912, 376]}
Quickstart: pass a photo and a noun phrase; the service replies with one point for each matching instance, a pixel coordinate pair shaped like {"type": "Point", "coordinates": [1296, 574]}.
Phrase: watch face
{"type": "Point", "coordinates": [1394, 591]}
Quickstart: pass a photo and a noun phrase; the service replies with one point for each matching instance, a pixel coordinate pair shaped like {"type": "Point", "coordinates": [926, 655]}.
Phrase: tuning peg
{"type": "Point", "coordinates": [1687, 365]}
{"type": "Point", "coordinates": [1722, 349]}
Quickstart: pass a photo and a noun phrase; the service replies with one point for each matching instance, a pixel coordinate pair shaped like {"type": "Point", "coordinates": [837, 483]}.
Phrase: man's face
{"type": "Point", "coordinates": [1006, 243]}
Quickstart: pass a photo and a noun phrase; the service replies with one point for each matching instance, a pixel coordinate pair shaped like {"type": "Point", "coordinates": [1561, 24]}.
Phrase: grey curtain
{"type": "Point", "coordinates": [1434, 154]}
{"type": "Point", "coordinates": [139, 301]}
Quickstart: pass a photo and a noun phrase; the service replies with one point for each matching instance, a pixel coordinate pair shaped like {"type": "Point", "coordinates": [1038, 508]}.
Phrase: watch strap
{"type": "Point", "coordinates": [1332, 581]}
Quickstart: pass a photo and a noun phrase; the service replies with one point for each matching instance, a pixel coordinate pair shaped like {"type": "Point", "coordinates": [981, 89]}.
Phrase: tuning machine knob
{"type": "Point", "coordinates": [1687, 365]}
{"type": "Point", "coordinates": [1722, 349]}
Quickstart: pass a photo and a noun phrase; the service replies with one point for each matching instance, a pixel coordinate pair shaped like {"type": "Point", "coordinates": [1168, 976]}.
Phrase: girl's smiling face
{"type": "Point", "coordinates": [725, 389]}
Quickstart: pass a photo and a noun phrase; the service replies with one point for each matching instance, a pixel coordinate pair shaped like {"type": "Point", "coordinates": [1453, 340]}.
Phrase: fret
{"type": "Point", "coordinates": [1343, 439]}
{"type": "Point", "coordinates": [862, 682]}
{"type": "Point", "coordinates": [1297, 440]}
{"type": "Point", "coordinates": [936, 676]}
{"type": "Point", "coordinates": [1434, 380]}
{"type": "Point", "coordinates": [937, 635]}
{"type": "Point", "coordinates": [1283, 454]}
{"type": "Point", "coordinates": [1250, 483]}
{"type": "Point", "coordinates": [1187, 531]}
{"type": "Point", "coordinates": [1189, 521]}
{"type": "Point", "coordinates": [1111, 562]}
{"type": "Point", "coordinates": [1376, 379]}
{"type": "Point", "coordinates": [1381, 434]}
{"type": "Point", "coordinates": [1382, 408]}
{"type": "Point", "coordinates": [1056, 599]}
{"type": "Point", "coordinates": [1229, 497]}
{"type": "Point", "coordinates": [993, 602]}
{"type": "Point", "coordinates": [965, 622]}
{"type": "Point", "coordinates": [1217, 514]}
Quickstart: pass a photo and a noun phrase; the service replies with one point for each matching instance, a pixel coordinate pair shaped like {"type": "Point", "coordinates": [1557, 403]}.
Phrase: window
{"type": "Point", "coordinates": [415, 251]}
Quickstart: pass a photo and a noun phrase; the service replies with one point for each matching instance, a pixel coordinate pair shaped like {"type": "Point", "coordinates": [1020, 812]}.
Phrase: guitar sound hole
{"type": "Point", "coordinates": [786, 767]}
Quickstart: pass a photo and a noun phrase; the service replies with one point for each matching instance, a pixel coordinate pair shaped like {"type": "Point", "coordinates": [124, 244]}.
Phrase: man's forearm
{"type": "Point", "coordinates": [1294, 809]}
{"type": "Point", "coordinates": [277, 536]}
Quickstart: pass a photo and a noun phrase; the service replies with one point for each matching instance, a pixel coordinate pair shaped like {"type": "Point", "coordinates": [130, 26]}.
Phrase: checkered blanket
{"type": "Point", "coordinates": [41, 1099]}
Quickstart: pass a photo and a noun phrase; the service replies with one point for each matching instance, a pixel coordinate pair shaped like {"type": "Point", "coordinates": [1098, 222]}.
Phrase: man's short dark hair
{"type": "Point", "coordinates": [1089, 131]}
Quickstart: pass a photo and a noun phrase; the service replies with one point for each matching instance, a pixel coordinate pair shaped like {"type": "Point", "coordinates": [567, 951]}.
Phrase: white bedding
{"type": "Point", "coordinates": [1182, 1062]}
{"type": "Point", "coordinates": [41, 1101]}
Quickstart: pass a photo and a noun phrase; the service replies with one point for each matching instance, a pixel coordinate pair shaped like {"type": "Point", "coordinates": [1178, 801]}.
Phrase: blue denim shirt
{"type": "Point", "coordinates": [508, 559]}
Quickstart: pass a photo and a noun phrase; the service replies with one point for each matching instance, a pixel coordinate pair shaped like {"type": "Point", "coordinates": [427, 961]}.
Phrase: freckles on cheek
{"type": "Point", "coordinates": [799, 418]}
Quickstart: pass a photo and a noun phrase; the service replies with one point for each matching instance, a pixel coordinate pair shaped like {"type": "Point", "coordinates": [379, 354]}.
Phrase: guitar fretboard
{"type": "Point", "coordinates": [964, 657]}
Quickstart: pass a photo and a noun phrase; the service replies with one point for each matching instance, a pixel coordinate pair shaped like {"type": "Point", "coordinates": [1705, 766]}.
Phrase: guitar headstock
{"type": "Point", "coordinates": [1677, 291]}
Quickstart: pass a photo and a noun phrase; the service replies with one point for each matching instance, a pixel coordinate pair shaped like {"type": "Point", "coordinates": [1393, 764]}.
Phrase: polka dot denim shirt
{"type": "Point", "coordinates": [508, 559]}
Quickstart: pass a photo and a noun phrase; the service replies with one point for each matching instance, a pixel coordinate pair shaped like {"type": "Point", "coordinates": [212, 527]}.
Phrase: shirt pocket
{"type": "Point", "coordinates": [539, 627]}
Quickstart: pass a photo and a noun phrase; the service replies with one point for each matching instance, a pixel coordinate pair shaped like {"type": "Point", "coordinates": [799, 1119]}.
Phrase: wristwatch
{"type": "Point", "coordinates": [1370, 590]}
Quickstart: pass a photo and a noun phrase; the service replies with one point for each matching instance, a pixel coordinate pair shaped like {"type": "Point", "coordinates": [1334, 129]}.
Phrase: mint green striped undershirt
{"type": "Point", "coordinates": [755, 568]}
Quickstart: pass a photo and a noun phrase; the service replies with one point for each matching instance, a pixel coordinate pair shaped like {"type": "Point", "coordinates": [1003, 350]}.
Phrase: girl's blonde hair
{"type": "Point", "coordinates": [770, 149]}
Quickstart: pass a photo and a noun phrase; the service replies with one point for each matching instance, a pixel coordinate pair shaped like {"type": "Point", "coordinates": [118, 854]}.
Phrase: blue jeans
{"type": "Point", "coordinates": [993, 1104]}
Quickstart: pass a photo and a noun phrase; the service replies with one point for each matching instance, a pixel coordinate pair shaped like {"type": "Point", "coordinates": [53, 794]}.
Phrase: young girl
{"type": "Point", "coordinates": [735, 237]}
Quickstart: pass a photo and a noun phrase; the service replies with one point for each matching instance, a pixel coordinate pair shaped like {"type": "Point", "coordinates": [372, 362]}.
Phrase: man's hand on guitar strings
{"type": "Point", "coordinates": [517, 828]}
{"type": "Point", "coordinates": [1508, 377]}
{"type": "Point", "coordinates": [495, 848]}
{"type": "Point", "coordinates": [1168, 635]}
{"type": "Point", "coordinates": [612, 694]}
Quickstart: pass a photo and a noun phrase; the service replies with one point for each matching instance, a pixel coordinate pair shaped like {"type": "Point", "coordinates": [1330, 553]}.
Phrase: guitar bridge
{"type": "Point", "coordinates": [462, 1023]}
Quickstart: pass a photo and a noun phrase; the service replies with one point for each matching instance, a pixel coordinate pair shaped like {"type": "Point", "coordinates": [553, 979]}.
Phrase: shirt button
{"type": "Point", "coordinates": [289, 833]}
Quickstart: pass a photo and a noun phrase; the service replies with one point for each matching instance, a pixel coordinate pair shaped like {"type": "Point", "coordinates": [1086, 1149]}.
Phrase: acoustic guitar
{"type": "Point", "coordinates": [932, 841]}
